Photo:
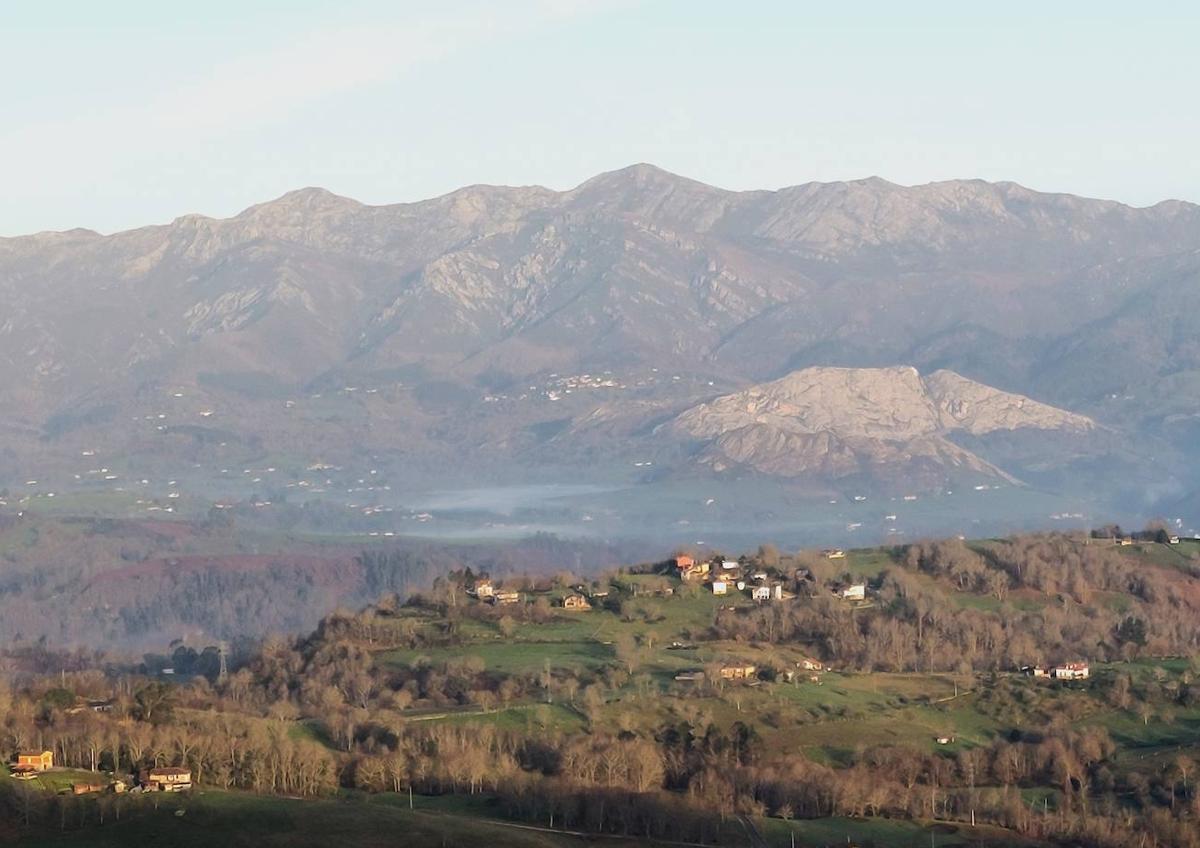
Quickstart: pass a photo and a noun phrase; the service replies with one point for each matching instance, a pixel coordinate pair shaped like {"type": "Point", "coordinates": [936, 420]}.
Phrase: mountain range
{"type": "Point", "coordinates": [640, 320]}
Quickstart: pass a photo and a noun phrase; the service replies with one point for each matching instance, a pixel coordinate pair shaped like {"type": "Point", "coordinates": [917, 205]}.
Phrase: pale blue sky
{"type": "Point", "coordinates": [119, 114]}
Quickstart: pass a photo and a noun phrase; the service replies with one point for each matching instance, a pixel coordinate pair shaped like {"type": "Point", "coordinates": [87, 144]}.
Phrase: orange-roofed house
{"type": "Point", "coordinates": [34, 760]}
{"type": "Point", "coordinates": [689, 569]}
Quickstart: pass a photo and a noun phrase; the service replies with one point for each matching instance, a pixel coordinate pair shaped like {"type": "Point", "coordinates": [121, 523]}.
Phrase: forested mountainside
{"type": "Point", "coordinates": [103, 583]}
{"type": "Point", "coordinates": [508, 332]}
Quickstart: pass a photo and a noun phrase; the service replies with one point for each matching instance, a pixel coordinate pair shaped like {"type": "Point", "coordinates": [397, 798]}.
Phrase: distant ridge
{"type": "Point", "coordinates": [448, 307]}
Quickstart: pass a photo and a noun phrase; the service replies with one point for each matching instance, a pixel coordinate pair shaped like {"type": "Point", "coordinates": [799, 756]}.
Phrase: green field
{"type": "Point", "coordinates": [206, 819]}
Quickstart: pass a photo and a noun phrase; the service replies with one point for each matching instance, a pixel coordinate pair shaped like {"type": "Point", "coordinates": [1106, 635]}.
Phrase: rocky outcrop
{"type": "Point", "coordinates": [834, 422]}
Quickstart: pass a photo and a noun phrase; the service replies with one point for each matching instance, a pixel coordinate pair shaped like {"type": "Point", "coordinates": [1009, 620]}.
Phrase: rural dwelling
{"type": "Point", "coordinates": [855, 592]}
{"type": "Point", "coordinates": [688, 569]}
{"type": "Point", "coordinates": [34, 760]}
{"type": "Point", "coordinates": [482, 588]}
{"type": "Point", "coordinates": [738, 672]}
{"type": "Point", "coordinates": [86, 788]}
{"type": "Point", "coordinates": [506, 597]}
{"type": "Point", "coordinates": [576, 602]}
{"type": "Point", "coordinates": [730, 565]}
{"type": "Point", "coordinates": [1072, 671]}
{"type": "Point", "coordinates": [168, 779]}
{"type": "Point", "coordinates": [834, 553]}
{"type": "Point", "coordinates": [809, 664]}
{"type": "Point", "coordinates": [719, 587]}
{"type": "Point", "coordinates": [761, 593]}
{"type": "Point", "coordinates": [93, 705]}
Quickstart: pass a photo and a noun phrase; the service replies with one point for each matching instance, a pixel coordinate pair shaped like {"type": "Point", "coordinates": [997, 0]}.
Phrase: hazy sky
{"type": "Point", "coordinates": [117, 114]}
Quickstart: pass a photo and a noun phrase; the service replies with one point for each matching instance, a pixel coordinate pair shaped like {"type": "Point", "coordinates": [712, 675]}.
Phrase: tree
{"type": "Point", "coordinates": [155, 702]}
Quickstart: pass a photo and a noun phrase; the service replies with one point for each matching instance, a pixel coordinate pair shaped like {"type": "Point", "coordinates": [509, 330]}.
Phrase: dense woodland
{"type": "Point", "coordinates": [123, 583]}
{"type": "Point", "coordinates": [310, 715]}
{"type": "Point", "coordinates": [1101, 602]}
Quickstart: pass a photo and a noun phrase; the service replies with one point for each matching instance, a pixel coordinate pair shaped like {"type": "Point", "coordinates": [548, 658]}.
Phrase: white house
{"type": "Point", "coordinates": [856, 592]}
{"type": "Point", "coordinates": [719, 587]}
{"type": "Point", "coordinates": [761, 593]}
{"type": "Point", "coordinates": [731, 565]}
{"type": "Point", "coordinates": [1072, 671]}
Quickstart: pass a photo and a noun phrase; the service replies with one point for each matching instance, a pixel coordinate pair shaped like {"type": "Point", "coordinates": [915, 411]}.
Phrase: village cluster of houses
{"type": "Point", "coordinates": [28, 765]}
{"type": "Point", "coordinates": [483, 589]}
{"type": "Point", "coordinates": [723, 576]}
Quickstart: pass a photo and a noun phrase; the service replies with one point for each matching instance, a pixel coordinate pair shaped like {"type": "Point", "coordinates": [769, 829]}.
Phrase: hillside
{"type": "Point", "coordinates": [655, 708]}
{"type": "Point", "coordinates": [843, 421]}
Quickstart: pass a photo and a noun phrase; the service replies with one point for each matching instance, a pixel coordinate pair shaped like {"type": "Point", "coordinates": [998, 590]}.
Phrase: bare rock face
{"type": "Point", "coordinates": [834, 422]}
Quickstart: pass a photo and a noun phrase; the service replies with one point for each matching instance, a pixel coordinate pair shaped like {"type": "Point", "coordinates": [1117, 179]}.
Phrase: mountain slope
{"type": "Point", "coordinates": [462, 314]}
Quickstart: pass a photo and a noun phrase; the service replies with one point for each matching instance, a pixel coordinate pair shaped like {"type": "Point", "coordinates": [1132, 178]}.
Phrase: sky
{"type": "Point", "coordinates": [132, 112]}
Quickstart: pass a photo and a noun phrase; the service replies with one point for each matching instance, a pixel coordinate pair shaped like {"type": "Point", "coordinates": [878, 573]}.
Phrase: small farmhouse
{"type": "Point", "coordinates": [834, 553]}
{"type": "Point", "coordinates": [1072, 671]}
{"type": "Point", "coordinates": [719, 587]}
{"type": "Point", "coordinates": [33, 760]}
{"type": "Point", "coordinates": [506, 597]}
{"type": "Point", "coordinates": [576, 602]}
{"type": "Point", "coordinates": [688, 569]}
{"type": "Point", "coordinates": [855, 592]}
{"type": "Point", "coordinates": [738, 672]}
{"type": "Point", "coordinates": [761, 593]}
{"type": "Point", "coordinates": [482, 588]}
{"type": "Point", "coordinates": [168, 779]}
{"type": "Point", "coordinates": [809, 664]}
